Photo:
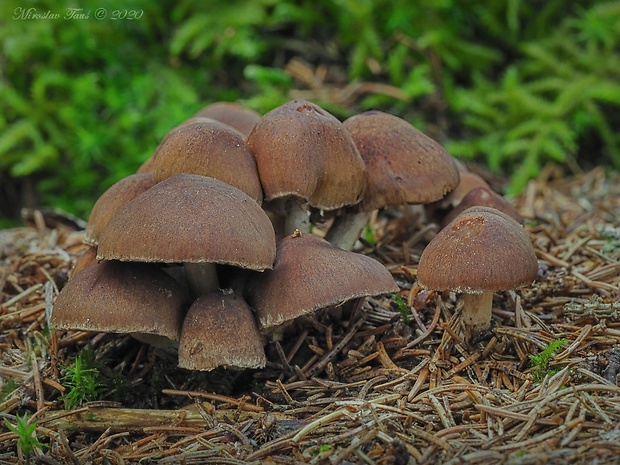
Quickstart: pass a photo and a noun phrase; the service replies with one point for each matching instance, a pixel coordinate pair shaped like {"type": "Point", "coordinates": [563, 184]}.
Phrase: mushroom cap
{"type": "Point", "coordinates": [484, 197]}
{"type": "Point", "coordinates": [481, 250]}
{"type": "Point", "coordinates": [209, 148]}
{"type": "Point", "coordinates": [403, 165]}
{"type": "Point", "coordinates": [147, 165]}
{"type": "Point", "coordinates": [220, 330]}
{"type": "Point", "coordinates": [190, 218]}
{"type": "Point", "coordinates": [233, 114]}
{"type": "Point", "coordinates": [116, 196]}
{"type": "Point", "coordinates": [467, 182]}
{"type": "Point", "coordinates": [116, 297]}
{"type": "Point", "coordinates": [310, 274]}
{"type": "Point", "coordinates": [303, 151]}
{"type": "Point", "coordinates": [87, 257]}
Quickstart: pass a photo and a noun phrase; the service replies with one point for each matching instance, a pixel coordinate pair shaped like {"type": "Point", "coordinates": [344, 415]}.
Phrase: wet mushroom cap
{"type": "Point", "coordinates": [403, 165]}
{"type": "Point", "coordinates": [233, 114]}
{"type": "Point", "coordinates": [190, 218]}
{"type": "Point", "coordinates": [481, 250]}
{"type": "Point", "coordinates": [115, 197]}
{"type": "Point", "coordinates": [220, 330]}
{"type": "Point", "coordinates": [305, 152]}
{"type": "Point", "coordinates": [310, 274]}
{"type": "Point", "coordinates": [209, 148]}
{"type": "Point", "coordinates": [116, 297]}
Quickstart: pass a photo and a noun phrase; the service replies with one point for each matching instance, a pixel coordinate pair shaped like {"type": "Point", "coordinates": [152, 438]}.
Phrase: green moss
{"type": "Point", "coordinates": [508, 83]}
{"type": "Point", "coordinates": [403, 308]}
{"type": "Point", "coordinates": [26, 433]}
{"type": "Point", "coordinates": [82, 380]}
{"type": "Point", "coordinates": [540, 362]}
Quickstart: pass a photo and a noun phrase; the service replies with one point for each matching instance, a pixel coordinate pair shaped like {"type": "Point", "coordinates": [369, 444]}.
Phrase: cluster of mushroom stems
{"type": "Point", "coordinates": [209, 249]}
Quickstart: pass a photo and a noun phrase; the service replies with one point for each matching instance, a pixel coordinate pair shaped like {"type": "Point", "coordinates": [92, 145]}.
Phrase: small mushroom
{"type": "Point", "coordinates": [480, 252]}
{"type": "Point", "coordinates": [403, 166]}
{"type": "Point", "coordinates": [195, 220]}
{"type": "Point", "coordinates": [209, 148]}
{"type": "Point", "coordinates": [220, 330]}
{"type": "Point", "coordinates": [115, 297]}
{"type": "Point", "coordinates": [310, 274]}
{"type": "Point", "coordinates": [233, 114]}
{"type": "Point", "coordinates": [111, 200]}
{"type": "Point", "coordinates": [87, 257]}
{"type": "Point", "coordinates": [306, 159]}
{"type": "Point", "coordinates": [483, 197]}
{"type": "Point", "coordinates": [436, 211]}
{"type": "Point", "coordinates": [147, 165]}
{"type": "Point", "coordinates": [467, 182]}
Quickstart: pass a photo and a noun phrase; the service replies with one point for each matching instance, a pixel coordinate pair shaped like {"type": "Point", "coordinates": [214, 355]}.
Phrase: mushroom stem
{"type": "Point", "coordinates": [160, 342]}
{"type": "Point", "coordinates": [477, 313]}
{"type": "Point", "coordinates": [297, 217]}
{"type": "Point", "coordinates": [201, 278]}
{"type": "Point", "coordinates": [346, 229]}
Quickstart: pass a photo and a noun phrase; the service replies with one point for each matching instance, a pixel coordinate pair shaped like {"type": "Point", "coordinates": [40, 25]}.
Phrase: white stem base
{"type": "Point", "coordinates": [477, 313]}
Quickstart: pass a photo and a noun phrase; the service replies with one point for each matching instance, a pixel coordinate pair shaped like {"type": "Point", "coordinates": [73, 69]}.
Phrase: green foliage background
{"type": "Point", "coordinates": [514, 84]}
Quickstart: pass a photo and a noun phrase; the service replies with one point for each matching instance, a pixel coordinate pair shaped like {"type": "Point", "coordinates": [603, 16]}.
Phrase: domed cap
{"type": "Point", "coordinates": [209, 148]}
{"type": "Point", "coordinates": [115, 297]}
{"type": "Point", "coordinates": [233, 114]}
{"type": "Point", "coordinates": [481, 250]}
{"type": "Point", "coordinates": [467, 182]}
{"type": "Point", "coordinates": [190, 218]}
{"type": "Point", "coordinates": [484, 197]}
{"type": "Point", "coordinates": [303, 151]}
{"type": "Point", "coordinates": [115, 197]}
{"type": "Point", "coordinates": [220, 330]}
{"type": "Point", "coordinates": [403, 165]}
{"type": "Point", "coordinates": [310, 274]}
{"type": "Point", "coordinates": [86, 258]}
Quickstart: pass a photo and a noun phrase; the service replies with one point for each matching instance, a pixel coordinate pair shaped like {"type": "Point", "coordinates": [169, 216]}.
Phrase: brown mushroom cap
{"type": "Point", "coordinates": [310, 274]}
{"type": "Point", "coordinates": [209, 148]}
{"type": "Point", "coordinates": [481, 250]}
{"type": "Point", "coordinates": [302, 151]}
{"type": "Point", "coordinates": [220, 330]}
{"type": "Point", "coordinates": [467, 182]}
{"type": "Point", "coordinates": [403, 165]}
{"type": "Point", "coordinates": [233, 114]}
{"type": "Point", "coordinates": [146, 166]}
{"type": "Point", "coordinates": [484, 197]}
{"type": "Point", "coordinates": [115, 197]}
{"type": "Point", "coordinates": [86, 258]}
{"type": "Point", "coordinates": [117, 297]}
{"type": "Point", "coordinates": [191, 218]}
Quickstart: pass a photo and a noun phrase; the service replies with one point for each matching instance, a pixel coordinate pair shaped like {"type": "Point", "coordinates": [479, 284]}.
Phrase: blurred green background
{"type": "Point", "coordinates": [512, 84]}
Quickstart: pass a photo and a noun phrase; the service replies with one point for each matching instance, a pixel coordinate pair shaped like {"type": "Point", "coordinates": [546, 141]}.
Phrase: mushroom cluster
{"type": "Point", "coordinates": [481, 248]}
{"type": "Point", "coordinates": [208, 247]}
{"type": "Point", "coordinates": [158, 255]}
{"type": "Point", "coordinates": [170, 242]}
